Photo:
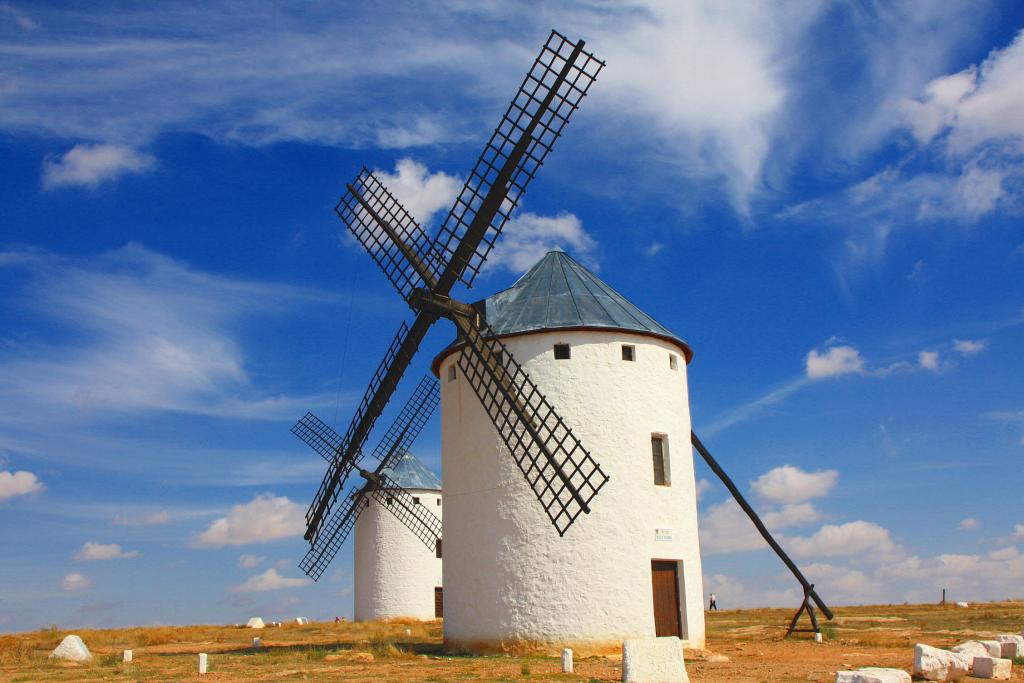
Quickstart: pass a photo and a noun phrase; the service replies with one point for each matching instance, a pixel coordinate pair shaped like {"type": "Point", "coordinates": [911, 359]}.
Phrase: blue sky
{"type": "Point", "coordinates": [824, 199]}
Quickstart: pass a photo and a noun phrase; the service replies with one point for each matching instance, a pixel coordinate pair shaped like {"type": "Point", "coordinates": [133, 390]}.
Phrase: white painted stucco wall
{"type": "Point", "coordinates": [511, 582]}
{"type": "Point", "coordinates": [395, 573]}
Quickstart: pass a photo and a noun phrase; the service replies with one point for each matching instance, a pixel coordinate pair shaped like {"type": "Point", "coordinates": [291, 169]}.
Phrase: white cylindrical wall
{"type": "Point", "coordinates": [395, 572]}
{"type": "Point", "coordinates": [511, 582]}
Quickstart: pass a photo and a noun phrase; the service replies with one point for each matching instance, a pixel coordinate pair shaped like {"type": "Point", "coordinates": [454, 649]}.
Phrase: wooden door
{"type": "Point", "coordinates": [438, 602]}
{"type": "Point", "coordinates": [665, 580]}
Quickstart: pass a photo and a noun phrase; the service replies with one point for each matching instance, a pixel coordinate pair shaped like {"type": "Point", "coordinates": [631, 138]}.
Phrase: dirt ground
{"type": "Point", "coordinates": [743, 645]}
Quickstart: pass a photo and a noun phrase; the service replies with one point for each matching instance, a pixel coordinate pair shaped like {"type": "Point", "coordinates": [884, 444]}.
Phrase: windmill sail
{"type": "Point", "coordinates": [332, 534]}
{"type": "Point", "coordinates": [562, 474]}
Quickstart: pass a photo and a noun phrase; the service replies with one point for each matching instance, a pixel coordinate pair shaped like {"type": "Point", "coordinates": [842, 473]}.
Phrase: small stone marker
{"type": "Point", "coordinates": [567, 661]}
{"type": "Point", "coordinates": [255, 622]}
{"type": "Point", "coordinates": [992, 667]}
{"type": "Point", "coordinates": [202, 662]}
{"type": "Point", "coordinates": [653, 660]}
{"type": "Point", "coordinates": [71, 649]}
{"type": "Point", "coordinates": [995, 648]}
{"type": "Point", "coordinates": [873, 674]}
{"type": "Point", "coordinates": [256, 643]}
{"type": "Point", "coordinates": [408, 631]}
{"type": "Point", "coordinates": [1011, 646]}
{"type": "Point", "coordinates": [939, 665]}
{"type": "Point", "coordinates": [127, 656]}
{"type": "Point", "coordinates": [301, 621]}
{"type": "Point", "coordinates": [817, 636]}
{"type": "Point", "coordinates": [962, 605]}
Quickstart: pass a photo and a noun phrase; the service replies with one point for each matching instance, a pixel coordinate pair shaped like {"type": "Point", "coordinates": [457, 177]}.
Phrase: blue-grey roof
{"type": "Point", "coordinates": [408, 472]}
{"type": "Point", "coordinates": [557, 293]}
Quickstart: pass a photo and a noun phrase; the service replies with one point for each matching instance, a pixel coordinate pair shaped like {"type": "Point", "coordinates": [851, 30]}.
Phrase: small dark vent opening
{"type": "Point", "coordinates": [562, 352]}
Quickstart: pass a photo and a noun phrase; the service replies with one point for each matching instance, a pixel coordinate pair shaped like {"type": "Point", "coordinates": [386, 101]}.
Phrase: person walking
{"type": "Point", "coordinates": [713, 605]}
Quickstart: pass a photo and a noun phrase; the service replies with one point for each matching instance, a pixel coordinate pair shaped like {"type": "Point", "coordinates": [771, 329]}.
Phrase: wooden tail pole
{"type": "Point", "coordinates": [809, 593]}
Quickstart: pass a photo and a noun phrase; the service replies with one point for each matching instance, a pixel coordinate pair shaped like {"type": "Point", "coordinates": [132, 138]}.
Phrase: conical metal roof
{"type": "Point", "coordinates": [408, 472]}
{"type": "Point", "coordinates": [558, 293]}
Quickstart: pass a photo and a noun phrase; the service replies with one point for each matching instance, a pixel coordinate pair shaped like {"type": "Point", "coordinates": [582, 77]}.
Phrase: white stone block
{"type": "Point", "coordinates": [995, 648]}
{"type": "Point", "coordinates": [873, 675]}
{"type": "Point", "coordinates": [992, 667]}
{"type": "Point", "coordinates": [962, 605]}
{"type": "Point", "coordinates": [939, 665]}
{"type": "Point", "coordinates": [255, 622]}
{"type": "Point", "coordinates": [653, 660]}
{"type": "Point", "coordinates": [202, 662]}
{"type": "Point", "coordinates": [301, 621]}
{"type": "Point", "coordinates": [817, 637]}
{"type": "Point", "coordinates": [972, 649]}
{"type": "Point", "coordinates": [256, 642]}
{"type": "Point", "coordinates": [567, 661]}
{"type": "Point", "coordinates": [71, 649]}
{"type": "Point", "coordinates": [1011, 646]}
{"type": "Point", "coordinates": [127, 656]}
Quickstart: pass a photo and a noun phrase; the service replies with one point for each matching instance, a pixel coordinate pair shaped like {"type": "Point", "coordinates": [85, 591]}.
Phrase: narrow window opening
{"type": "Point", "coordinates": [437, 548]}
{"type": "Point", "coordinates": [673, 361]}
{"type": "Point", "coordinates": [499, 358]}
{"type": "Point", "coordinates": [438, 501]}
{"type": "Point", "coordinates": [390, 500]}
{"type": "Point", "coordinates": [415, 500]}
{"type": "Point", "coordinates": [451, 373]}
{"type": "Point", "coordinates": [659, 453]}
{"type": "Point", "coordinates": [628, 352]}
{"type": "Point", "coordinates": [562, 352]}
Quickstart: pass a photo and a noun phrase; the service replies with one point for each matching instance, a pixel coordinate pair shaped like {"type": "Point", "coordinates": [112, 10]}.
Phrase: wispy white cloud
{"type": "Point", "coordinates": [22, 20]}
{"type": "Point", "coordinates": [91, 165]}
{"type": "Point", "coordinates": [968, 524]}
{"type": "Point", "coordinates": [653, 249]}
{"type": "Point", "coordinates": [928, 360]}
{"type": "Point", "coordinates": [528, 236]}
{"type": "Point", "coordinates": [969, 347]}
{"type": "Point", "coordinates": [250, 561]}
{"type": "Point", "coordinates": [92, 551]}
{"type": "Point", "coordinates": [789, 484]}
{"type": "Point", "coordinates": [152, 334]}
{"type": "Point", "coordinates": [18, 483]}
{"type": "Point", "coordinates": [142, 519]}
{"type": "Point", "coordinates": [75, 582]}
{"type": "Point", "coordinates": [269, 580]}
{"type": "Point", "coordinates": [266, 518]}
{"type": "Point", "coordinates": [834, 362]}
{"type": "Point", "coordinates": [861, 538]}
{"type": "Point", "coordinates": [421, 192]}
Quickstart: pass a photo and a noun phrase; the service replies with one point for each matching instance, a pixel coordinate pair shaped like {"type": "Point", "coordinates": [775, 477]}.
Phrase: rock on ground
{"type": "Point", "coordinates": [972, 649]}
{"type": "Point", "coordinates": [653, 660]}
{"type": "Point", "coordinates": [873, 674]}
{"type": "Point", "coordinates": [995, 648]}
{"type": "Point", "coordinates": [939, 665]}
{"type": "Point", "coordinates": [992, 667]}
{"type": "Point", "coordinates": [71, 649]}
{"type": "Point", "coordinates": [1012, 646]}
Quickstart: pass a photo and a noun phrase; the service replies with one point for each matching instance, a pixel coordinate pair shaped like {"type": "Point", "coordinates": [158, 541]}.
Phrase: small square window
{"type": "Point", "coordinates": [451, 373]}
{"type": "Point", "coordinates": [673, 361]}
{"type": "Point", "coordinates": [562, 352]}
{"type": "Point", "coordinates": [390, 500]}
{"type": "Point", "coordinates": [415, 500]}
{"type": "Point", "coordinates": [628, 352]}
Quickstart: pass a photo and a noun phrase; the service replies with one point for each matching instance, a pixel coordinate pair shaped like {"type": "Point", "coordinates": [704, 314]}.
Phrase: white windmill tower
{"type": "Point", "coordinates": [633, 569]}
{"type": "Point", "coordinates": [396, 575]}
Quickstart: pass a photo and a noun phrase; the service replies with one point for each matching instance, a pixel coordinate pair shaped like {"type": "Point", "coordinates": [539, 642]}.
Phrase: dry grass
{"type": "Point", "coordinates": [752, 639]}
